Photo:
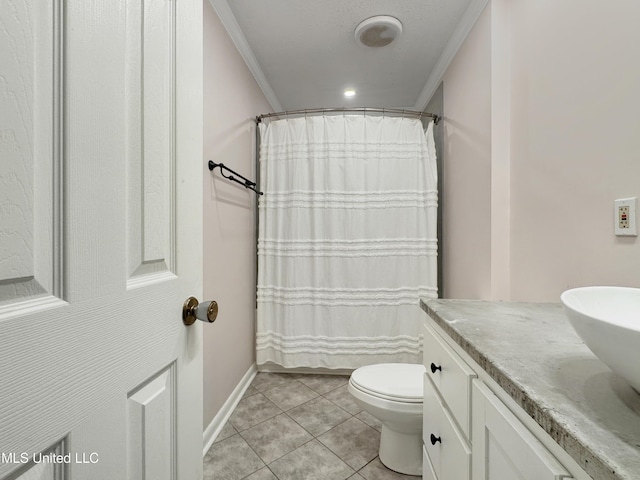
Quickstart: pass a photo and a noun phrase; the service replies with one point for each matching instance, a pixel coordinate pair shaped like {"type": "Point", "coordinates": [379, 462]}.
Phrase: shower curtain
{"type": "Point", "coordinates": [347, 240]}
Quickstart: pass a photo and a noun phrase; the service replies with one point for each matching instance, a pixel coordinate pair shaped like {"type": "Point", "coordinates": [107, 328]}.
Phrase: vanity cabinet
{"type": "Point", "coordinates": [468, 432]}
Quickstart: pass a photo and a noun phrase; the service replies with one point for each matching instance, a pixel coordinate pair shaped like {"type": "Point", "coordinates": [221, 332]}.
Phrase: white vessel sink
{"type": "Point", "coordinates": [607, 319]}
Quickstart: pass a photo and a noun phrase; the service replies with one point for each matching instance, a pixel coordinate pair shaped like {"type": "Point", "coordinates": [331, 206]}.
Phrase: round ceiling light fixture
{"type": "Point", "coordinates": [378, 31]}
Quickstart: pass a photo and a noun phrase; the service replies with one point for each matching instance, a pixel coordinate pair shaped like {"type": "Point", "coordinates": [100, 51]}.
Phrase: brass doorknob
{"type": "Point", "coordinates": [205, 311]}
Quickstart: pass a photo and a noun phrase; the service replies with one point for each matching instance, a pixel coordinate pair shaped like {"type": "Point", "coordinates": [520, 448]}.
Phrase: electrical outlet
{"type": "Point", "coordinates": [625, 217]}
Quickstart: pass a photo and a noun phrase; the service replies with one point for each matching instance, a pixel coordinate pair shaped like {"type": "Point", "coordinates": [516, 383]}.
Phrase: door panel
{"type": "Point", "coordinates": [30, 183]}
{"type": "Point", "coordinates": [44, 469]}
{"type": "Point", "coordinates": [150, 85]}
{"type": "Point", "coordinates": [151, 421]}
{"type": "Point", "coordinates": [100, 238]}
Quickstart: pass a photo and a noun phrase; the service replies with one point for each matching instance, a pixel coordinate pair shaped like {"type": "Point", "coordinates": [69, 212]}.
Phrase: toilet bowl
{"type": "Point", "coordinates": [392, 392]}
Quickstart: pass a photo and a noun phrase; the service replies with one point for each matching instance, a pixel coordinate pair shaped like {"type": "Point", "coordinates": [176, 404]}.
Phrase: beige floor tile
{"type": "Point", "coordinates": [318, 415]}
{"type": "Point", "coordinates": [376, 470]}
{"type": "Point", "coordinates": [355, 442]}
{"type": "Point", "coordinates": [323, 384]}
{"type": "Point", "coordinates": [289, 395]}
{"type": "Point", "coordinates": [231, 459]}
{"type": "Point", "coordinates": [253, 410]}
{"type": "Point", "coordinates": [341, 397]}
{"type": "Point", "coordinates": [312, 461]}
{"type": "Point", "coordinates": [263, 474]}
{"type": "Point", "coordinates": [294, 427]}
{"type": "Point", "coordinates": [276, 437]}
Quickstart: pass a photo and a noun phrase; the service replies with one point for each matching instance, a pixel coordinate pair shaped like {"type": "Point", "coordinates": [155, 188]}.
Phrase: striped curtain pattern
{"type": "Point", "coordinates": [347, 240]}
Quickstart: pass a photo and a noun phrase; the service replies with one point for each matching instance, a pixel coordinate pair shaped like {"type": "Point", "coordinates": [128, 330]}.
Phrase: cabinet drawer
{"type": "Point", "coordinates": [448, 453]}
{"type": "Point", "coordinates": [451, 376]}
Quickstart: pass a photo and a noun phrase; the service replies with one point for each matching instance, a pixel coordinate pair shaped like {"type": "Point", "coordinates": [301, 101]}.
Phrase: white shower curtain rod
{"type": "Point", "coordinates": [364, 111]}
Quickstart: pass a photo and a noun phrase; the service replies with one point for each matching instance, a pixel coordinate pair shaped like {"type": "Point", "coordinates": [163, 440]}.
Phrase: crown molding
{"type": "Point", "coordinates": [230, 23]}
{"type": "Point", "coordinates": [470, 17]}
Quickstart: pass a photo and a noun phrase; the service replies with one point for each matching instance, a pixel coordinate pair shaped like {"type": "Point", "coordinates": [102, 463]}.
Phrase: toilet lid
{"type": "Point", "coordinates": [397, 381]}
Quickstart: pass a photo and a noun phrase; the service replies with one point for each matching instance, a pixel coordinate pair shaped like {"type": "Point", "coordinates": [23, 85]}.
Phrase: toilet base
{"type": "Point", "coordinates": [401, 452]}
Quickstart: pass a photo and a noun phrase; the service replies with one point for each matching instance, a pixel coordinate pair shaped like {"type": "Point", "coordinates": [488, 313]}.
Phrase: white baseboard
{"type": "Point", "coordinates": [213, 429]}
{"type": "Point", "coordinates": [271, 367]}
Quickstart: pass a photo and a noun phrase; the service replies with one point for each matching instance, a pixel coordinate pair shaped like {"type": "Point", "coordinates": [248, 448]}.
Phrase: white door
{"type": "Point", "coordinates": [100, 239]}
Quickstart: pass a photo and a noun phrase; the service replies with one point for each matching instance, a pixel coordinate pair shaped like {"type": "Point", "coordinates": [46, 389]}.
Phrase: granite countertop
{"type": "Point", "coordinates": [533, 353]}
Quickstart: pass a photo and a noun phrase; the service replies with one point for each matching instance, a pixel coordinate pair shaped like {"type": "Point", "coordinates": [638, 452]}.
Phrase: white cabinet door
{"type": "Point", "coordinates": [503, 449]}
{"type": "Point", "coordinates": [100, 239]}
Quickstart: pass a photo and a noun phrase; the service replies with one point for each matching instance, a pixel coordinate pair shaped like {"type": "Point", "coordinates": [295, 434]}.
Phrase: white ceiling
{"type": "Point", "coordinates": [303, 52]}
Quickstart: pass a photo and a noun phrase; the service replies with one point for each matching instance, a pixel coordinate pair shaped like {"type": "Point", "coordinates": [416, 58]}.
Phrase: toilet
{"type": "Point", "coordinates": [392, 392]}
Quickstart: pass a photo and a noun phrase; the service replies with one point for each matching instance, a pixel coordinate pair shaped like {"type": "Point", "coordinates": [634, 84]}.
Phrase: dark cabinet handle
{"type": "Point", "coordinates": [435, 439]}
{"type": "Point", "coordinates": [434, 368]}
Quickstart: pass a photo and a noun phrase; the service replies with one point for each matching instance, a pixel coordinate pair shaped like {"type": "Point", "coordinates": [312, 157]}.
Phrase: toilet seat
{"type": "Point", "coordinates": [397, 382]}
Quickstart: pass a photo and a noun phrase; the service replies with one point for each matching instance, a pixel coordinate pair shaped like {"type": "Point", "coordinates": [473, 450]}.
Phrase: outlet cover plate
{"type": "Point", "coordinates": [624, 217]}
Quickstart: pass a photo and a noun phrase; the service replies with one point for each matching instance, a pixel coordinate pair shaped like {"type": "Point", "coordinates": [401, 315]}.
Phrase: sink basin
{"type": "Point", "coordinates": [607, 319]}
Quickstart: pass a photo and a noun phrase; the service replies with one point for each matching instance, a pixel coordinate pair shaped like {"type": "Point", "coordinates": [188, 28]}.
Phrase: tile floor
{"type": "Point", "coordinates": [298, 427]}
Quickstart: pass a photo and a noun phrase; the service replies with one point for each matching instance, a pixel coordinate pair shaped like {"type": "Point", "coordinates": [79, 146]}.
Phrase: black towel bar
{"type": "Point", "coordinates": [245, 183]}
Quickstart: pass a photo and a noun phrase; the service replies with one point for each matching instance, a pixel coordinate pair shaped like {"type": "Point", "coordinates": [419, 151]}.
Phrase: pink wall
{"type": "Point", "coordinates": [575, 143]}
{"type": "Point", "coordinates": [564, 123]}
{"type": "Point", "coordinates": [467, 168]}
{"type": "Point", "coordinates": [231, 101]}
